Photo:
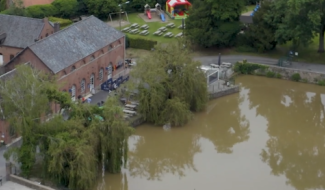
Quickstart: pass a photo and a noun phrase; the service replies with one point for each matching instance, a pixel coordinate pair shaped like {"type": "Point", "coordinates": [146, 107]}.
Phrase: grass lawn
{"type": "Point", "coordinates": [153, 26]}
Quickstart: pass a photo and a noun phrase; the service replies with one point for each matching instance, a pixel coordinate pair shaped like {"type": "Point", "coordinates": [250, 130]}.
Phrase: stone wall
{"type": "Point", "coordinates": [28, 183]}
{"type": "Point", "coordinates": [306, 76]}
{"type": "Point", "coordinates": [225, 92]}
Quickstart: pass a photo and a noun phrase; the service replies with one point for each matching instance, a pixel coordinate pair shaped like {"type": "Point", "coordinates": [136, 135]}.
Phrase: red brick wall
{"type": "Point", "coordinates": [6, 52]}
{"type": "Point", "coordinates": [47, 30]}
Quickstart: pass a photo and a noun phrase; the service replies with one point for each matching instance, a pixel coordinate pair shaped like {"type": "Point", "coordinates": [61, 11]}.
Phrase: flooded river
{"type": "Point", "coordinates": [270, 136]}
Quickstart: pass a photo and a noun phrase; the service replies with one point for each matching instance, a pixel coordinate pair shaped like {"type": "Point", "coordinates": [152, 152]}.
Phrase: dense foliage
{"type": "Point", "coordinates": [214, 22]}
{"type": "Point", "coordinates": [71, 150]}
{"type": "Point", "coordinates": [245, 67]}
{"type": "Point", "coordinates": [170, 85]}
{"type": "Point", "coordinates": [141, 43]}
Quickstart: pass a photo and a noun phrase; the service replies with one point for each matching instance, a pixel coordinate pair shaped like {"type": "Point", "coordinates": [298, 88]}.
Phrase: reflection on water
{"type": "Point", "coordinates": [270, 136]}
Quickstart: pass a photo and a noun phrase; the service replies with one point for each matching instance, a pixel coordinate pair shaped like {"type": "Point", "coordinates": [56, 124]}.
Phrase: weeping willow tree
{"type": "Point", "coordinates": [171, 85]}
{"type": "Point", "coordinates": [71, 150]}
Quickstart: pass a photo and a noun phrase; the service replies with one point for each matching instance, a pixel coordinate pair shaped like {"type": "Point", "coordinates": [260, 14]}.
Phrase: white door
{"type": "Point", "coordinates": [110, 68]}
{"type": "Point", "coordinates": [1, 59]}
{"type": "Point", "coordinates": [92, 84]}
{"type": "Point", "coordinates": [73, 93]}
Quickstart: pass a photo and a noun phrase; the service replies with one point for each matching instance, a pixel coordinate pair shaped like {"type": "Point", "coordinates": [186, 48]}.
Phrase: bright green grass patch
{"type": "Point", "coordinates": [153, 26]}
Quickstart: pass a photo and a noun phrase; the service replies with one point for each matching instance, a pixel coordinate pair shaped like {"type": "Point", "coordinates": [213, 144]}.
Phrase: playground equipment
{"type": "Point", "coordinates": [178, 9]}
{"type": "Point", "coordinates": [255, 9]}
{"type": "Point", "coordinates": [159, 12]}
{"type": "Point", "coordinates": [147, 11]}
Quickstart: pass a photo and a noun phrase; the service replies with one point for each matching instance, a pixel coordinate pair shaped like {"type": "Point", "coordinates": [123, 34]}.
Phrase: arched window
{"type": "Point", "coordinates": [46, 35]}
{"type": "Point", "coordinates": [73, 92]}
{"type": "Point", "coordinates": [92, 58]}
{"type": "Point", "coordinates": [73, 68]}
{"type": "Point", "coordinates": [83, 85]}
{"type": "Point", "coordinates": [101, 74]}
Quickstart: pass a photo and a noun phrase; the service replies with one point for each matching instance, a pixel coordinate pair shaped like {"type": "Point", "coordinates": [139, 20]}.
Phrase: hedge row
{"type": "Point", "coordinates": [41, 11]}
{"type": "Point", "coordinates": [140, 43]}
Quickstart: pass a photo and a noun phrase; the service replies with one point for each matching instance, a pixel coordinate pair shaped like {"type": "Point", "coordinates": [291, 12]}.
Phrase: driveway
{"type": "Point", "coordinates": [206, 60]}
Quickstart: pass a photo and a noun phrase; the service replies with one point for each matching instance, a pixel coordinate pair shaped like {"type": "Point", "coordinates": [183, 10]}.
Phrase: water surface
{"type": "Point", "coordinates": [270, 136]}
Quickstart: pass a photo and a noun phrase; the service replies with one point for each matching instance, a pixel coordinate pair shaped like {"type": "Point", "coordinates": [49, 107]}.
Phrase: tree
{"type": "Point", "coordinates": [260, 34]}
{"type": "Point", "coordinates": [170, 85]}
{"type": "Point", "coordinates": [66, 8]}
{"type": "Point", "coordinates": [72, 149]}
{"type": "Point", "coordinates": [102, 8]}
{"type": "Point", "coordinates": [299, 21]}
{"type": "Point", "coordinates": [214, 22]}
{"type": "Point", "coordinates": [16, 8]}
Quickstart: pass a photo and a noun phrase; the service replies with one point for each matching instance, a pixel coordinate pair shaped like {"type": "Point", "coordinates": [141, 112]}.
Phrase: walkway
{"type": "Point", "coordinates": [9, 185]}
{"type": "Point", "coordinates": [262, 60]}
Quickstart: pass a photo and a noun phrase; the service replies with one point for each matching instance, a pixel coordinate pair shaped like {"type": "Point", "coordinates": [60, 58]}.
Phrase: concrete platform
{"type": "Point", "coordinates": [9, 185]}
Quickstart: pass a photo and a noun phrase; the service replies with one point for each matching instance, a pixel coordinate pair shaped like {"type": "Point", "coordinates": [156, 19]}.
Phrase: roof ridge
{"type": "Point", "coordinates": [30, 18]}
{"type": "Point", "coordinates": [60, 31]}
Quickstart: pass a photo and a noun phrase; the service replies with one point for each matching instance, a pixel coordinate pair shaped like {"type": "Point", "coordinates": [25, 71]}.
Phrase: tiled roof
{"type": "Point", "coordinates": [21, 31]}
{"type": "Point", "coordinates": [28, 3]}
{"type": "Point", "coordinates": [66, 47]}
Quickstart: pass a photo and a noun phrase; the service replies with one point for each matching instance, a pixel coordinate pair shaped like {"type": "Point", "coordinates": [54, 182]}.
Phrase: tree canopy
{"type": "Point", "coordinates": [214, 22]}
{"type": "Point", "coordinates": [170, 85]}
{"type": "Point", "coordinates": [71, 149]}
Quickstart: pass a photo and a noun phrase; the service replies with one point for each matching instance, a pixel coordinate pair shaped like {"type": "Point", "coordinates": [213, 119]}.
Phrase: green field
{"type": "Point", "coordinates": [153, 26]}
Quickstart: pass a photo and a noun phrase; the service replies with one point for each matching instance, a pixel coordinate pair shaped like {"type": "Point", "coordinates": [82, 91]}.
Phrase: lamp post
{"type": "Point", "coordinates": [120, 5]}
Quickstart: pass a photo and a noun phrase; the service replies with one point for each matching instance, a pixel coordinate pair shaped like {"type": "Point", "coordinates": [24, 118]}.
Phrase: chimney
{"type": "Point", "coordinates": [56, 27]}
{"type": "Point", "coordinates": [2, 38]}
{"type": "Point", "coordinates": [45, 20]}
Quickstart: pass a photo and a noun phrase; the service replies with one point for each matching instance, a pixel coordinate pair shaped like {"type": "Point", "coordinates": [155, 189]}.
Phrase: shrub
{"type": "Point", "coordinates": [66, 8]}
{"type": "Point", "coordinates": [321, 82]}
{"type": "Point", "coordinates": [270, 74]}
{"type": "Point", "coordinates": [279, 76]}
{"type": "Point", "coordinates": [63, 22]}
{"type": "Point", "coordinates": [296, 77]}
{"type": "Point", "coordinates": [304, 80]}
{"type": "Point", "coordinates": [2, 5]}
{"type": "Point", "coordinates": [141, 43]}
{"type": "Point", "coordinates": [41, 11]}
{"type": "Point", "coordinates": [244, 48]}
{"type": "Point", "coordinates": [248, 68]}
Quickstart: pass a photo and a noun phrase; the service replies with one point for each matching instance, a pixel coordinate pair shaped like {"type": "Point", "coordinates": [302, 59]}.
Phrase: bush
{"type": "Point", "coordinates": [270, 74]}
{"type": "Point", "coordinates": [296, 77]}
{"type": "Point", "coordinates": [248, 68]}
{"type": "Point", "coordinates": [279, 76]}
{"type": "Point", "coordinates": [41, 11]}
{"type": "Point", "coordinates": [321, 82]}
{"type": "Point", "coordinates": [2, 5]}
{"type": "Point", "coordinates": [66, 8]}
{"type": "Point", "coordinates": [141, 43]}
{"type": "Point", "coordinates": [244, 48]}
{"type": "Point", "coordinates": [63, 22]}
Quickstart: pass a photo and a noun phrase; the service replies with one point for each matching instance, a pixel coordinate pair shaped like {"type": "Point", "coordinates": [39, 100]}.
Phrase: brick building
{"type": "Point", "coordinates": [82, 56]}
{"type": "Point", "coordinates": [17, 33]}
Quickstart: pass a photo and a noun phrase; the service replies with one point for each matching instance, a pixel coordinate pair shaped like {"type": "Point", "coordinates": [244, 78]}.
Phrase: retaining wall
{"type": "Point", "coordinates": [28, 183]}
{"type": "Point", "coordinates": [306, 76]}
{"type": "Point", "coordinates": [225, 92]}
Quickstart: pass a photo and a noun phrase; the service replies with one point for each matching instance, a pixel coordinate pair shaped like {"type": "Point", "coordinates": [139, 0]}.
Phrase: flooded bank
{"type": "Point", "coordinates": [269, 136]}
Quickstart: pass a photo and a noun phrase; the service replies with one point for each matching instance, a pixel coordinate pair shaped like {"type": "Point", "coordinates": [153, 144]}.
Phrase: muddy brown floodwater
{"type": "Point", "coordinates": [270, 136]}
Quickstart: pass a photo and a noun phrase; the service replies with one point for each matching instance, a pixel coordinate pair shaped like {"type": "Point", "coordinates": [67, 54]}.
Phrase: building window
{"type": "Point", "coordinates": [1, 58]}
{"type": "Point", "coordinates": [110, 47]}
{"type": "Point", "coordinates": [110, 68]}
{"type": "Point", "coordinates": [101, 74]}
{"type": "Point", "coordinates": [46, 35]}
{"type": "Point", "coordinates": [73, 68]}
{"type": "Point", "coordinates": [83, 85]}
{"type": "Point", "coordinates": [11, 57]}
{"type": "Point", "coordinates": [73, 92]}
{"type": "Point", "coordinates": [92, 58]}
{"type": "Point", "coordinates": [64, 73]}
{"type": "Point", "coordinates": [102, 51]}
{"type": "Point", "coordinates": [84, 61]}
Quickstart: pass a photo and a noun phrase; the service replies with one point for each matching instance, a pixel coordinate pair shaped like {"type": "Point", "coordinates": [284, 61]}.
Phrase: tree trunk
{"type": "Point", "coordinates": [321, 39]}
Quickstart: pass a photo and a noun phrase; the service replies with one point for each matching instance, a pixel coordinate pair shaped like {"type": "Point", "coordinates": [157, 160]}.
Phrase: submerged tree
{"type": "Point", "coordinates": [170, 85]}
{"type": "Point", "coordinates": [72, 149]}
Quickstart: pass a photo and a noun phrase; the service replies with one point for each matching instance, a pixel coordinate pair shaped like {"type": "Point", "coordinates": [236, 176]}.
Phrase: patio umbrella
{"type": "Point", "coordinates": [219, 59]}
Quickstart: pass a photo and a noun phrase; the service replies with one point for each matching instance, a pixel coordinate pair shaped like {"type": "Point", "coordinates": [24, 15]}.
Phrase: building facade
{"type": "Point", "coordinates": [81, 56]}
{"type": "Point", "coordinates": [17, 33]}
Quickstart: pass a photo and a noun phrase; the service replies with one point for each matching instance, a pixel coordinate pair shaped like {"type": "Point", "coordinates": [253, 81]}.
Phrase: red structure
{"type": "Point", "coordinates": [178, 9]}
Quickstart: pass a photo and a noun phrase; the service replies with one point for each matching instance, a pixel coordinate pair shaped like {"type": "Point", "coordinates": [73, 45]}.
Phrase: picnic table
{"type": "Point", "coordinates": [129, 112]}
{"type": "Point", "coordinates": [144, 32]}
{"type": "Point", "coordinates": [179, 35]}
{"type": "Point", "coordinates": [181, 26]}
{"type": "Point", "coordinates": [163, 29]}
{"type": "Point", "coordinates": [134, 31]}
{"type": "Point", "coordinates": [158, 33]}
{"type": "Point", "coordinates": [169, 34]}
{"type": "Point", "coordinates": [135, 25]}
{"type": "Point", "coordinates": [126, 29]}
{"type": "Point", "coordinates": [170, 25]}
{"type": "Point", "coordinates": [130, 106]}
{"type": "Point", "coordinates": [144, 26]}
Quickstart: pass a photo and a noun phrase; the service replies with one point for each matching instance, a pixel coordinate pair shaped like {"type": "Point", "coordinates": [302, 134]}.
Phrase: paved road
{"type": "Point", "coordinates": [262, 60]}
